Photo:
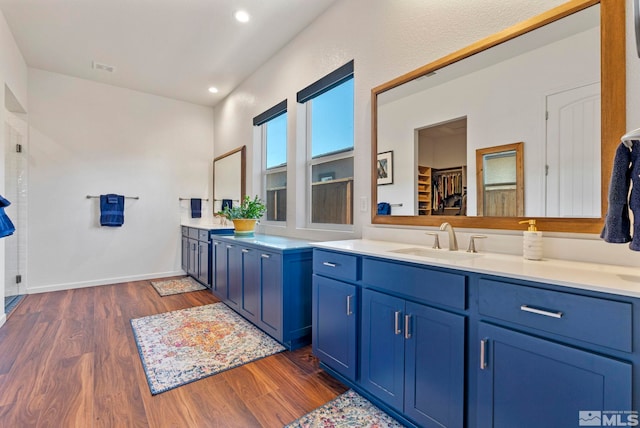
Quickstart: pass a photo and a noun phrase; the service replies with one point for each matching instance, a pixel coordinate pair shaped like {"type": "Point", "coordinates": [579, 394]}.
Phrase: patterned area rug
{"type": "Point", "coordinates": [183, 346]}
{"type": "Point", "coordinates": [177, 286]}
{"type": "Point", "coordinates": [347, 410]}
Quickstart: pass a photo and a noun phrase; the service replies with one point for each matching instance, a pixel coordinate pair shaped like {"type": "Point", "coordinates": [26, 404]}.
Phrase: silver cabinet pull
{"type": "Point", "coordinates": [483, 352]}
{"type": "Point", "coordinates": [265, 256]}
{"type": "Point", "coordinates": [407, 323]}
{"type": "Point", "coordinates": [229, 246]}
{"type": "Point", "coordinates": [349, 305]}
{"type": "Point", "coordinates": [329, 264]}
{"type": "Point", "coordinates": [244, 250]}
{"type": "Point", "coordinates": [215, 243]}
{"type": "Point", "coordinates": [397, 324]}
{"type": "Point", "coordinates": [527, 308]}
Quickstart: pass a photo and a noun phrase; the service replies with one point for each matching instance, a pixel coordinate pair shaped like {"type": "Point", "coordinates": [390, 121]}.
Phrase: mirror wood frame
{"type": "Point", "coordinates": [613, 115]}
{"type": "Point", "coordinates": [243, 171]}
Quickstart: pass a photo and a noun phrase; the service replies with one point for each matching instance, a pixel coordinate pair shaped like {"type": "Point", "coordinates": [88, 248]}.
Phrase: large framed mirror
{"type": "Point", "coordinates": [229, 182]}
{"type": "Point", "coordinates": [555, 82]}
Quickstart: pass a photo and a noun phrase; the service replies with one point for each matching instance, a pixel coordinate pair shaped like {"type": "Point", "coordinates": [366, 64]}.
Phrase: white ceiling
{"type": "Point", "coordinates": [173, 48]}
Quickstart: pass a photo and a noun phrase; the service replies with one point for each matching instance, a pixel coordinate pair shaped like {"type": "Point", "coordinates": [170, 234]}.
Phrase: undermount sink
{"type": "Point", "coordinates": [437, 254]}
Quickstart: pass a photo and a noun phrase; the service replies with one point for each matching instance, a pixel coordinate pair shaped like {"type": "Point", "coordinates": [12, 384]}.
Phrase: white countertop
{"type": "Point", "coordinates": [587, 276]}
{"type": "Point", "coordinates": [271, 241]}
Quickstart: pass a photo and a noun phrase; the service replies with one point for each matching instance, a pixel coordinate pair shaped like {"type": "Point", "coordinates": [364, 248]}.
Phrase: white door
{"type": "Point", "coordinates": [573, 153]}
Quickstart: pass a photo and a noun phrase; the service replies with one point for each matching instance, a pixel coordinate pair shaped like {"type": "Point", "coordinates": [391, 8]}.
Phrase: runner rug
{"type": "Point", "coordinates": [176, 286]}
{"type": "Point", "coordinates": [347, 410]}
{"type": "Point", "coordinates": [183, 346]}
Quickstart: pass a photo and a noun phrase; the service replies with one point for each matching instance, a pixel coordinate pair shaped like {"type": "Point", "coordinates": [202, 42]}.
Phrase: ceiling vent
{"type": "Point", "coordinates": [103, 67]}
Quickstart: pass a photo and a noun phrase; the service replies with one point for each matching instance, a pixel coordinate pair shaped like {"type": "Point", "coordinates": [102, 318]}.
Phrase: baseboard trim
{"type": "Point", "coordinates": [104, 281]}
{"type": "Point", "coordinates": [3, 319]}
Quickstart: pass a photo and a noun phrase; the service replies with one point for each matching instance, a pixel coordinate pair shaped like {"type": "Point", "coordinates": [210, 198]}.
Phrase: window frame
{"type": "Point", "coordinates": [325, 84]}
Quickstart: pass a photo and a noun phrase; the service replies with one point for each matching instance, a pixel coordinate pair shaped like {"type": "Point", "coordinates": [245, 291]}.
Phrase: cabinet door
{"type": "Point", "coordinates": [193, 258]}
{"type": "Point", "coordinates": [234, 276]}
{"type": "Point", "coordinates": [250, 295]}
{"type": "Point", "coordinates": [434, 366]}
{"type": "Point", "coordinates": [382, 354]}
{"type": "Point", "coordinates": [185, 254]}
{"type": "Point", "coordinates": [334, 324]}
{"type": "Point", "coordinates": [219, 273]}
{"type": "Point", "coordinates": [203, 262]}
{"type": "Point", "coordinates": [271, 293]}
{"type": "Point", "coordinates": [530, 382]}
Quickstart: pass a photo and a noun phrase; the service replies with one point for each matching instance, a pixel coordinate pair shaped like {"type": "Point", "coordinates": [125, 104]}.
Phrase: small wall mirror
{"type": "Point", "coordinates": [500, 181]}
{"type": "Point", "coordinates": [229, 182]}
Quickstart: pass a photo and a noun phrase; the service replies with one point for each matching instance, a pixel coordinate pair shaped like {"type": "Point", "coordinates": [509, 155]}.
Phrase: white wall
{"type": "Point", "coordinates": [387, 39]}
{"type": "Point", "coordinates": [13, 74]}
{"type": "Point", "coordinates": [90, 139]}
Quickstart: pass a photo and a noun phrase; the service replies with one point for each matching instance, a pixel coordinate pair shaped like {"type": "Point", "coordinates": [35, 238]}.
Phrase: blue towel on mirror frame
{"type": "Point", "coordinates": [111, 210]}
{"type": "Point", "coordinates": [6, 226]}
{"type": "Point", "coordinates": [196, 207]}
{"type": "Point", "coordinates": [227, 203]}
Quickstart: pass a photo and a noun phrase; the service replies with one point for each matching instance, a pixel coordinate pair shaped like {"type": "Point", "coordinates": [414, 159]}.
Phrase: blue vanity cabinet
{"type": "Point", "coordinates": [267, 280]}
{"type": "Point", "coordinates": [335, 325]}
{"type": "Point", "coordinates": [546, 354]}
{"type": "Point", "coordinates": [270, 315]}
{"type": "Point", "coordinates": [336, 315]}
{"type": "Point", "coordinates": [529, 382]}
{"type": "Point", "coordinates": [234, 276]}
{"type": "Point", "coordinates": [197, 254]}
{"type": "Point", "coordinates": [219, 269]}
{"type": "Point", "coordinates": [413, 358]}
{"type": "Point", "coordinates": [203, 262]}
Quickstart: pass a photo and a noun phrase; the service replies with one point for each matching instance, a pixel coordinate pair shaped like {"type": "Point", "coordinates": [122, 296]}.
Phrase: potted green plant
{"type": "Point", "coordinates": [245, 215]}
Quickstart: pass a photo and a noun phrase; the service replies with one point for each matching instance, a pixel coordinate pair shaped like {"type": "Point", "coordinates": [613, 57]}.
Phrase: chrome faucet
{"type": "Point", "coordinates": [453, 242]}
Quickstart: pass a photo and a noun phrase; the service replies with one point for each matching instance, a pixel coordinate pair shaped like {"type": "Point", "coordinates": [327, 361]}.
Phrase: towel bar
{"type": "Point", "coordinates": [126, 197]}
{"type": "Point", "coordinates": [188, 199]}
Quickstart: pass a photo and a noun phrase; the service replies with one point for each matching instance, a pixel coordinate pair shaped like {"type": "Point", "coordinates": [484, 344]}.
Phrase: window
{"type": "Point", "coordinates": [273, 123]}
{"type": "Point", "coordinates": [329, 107]}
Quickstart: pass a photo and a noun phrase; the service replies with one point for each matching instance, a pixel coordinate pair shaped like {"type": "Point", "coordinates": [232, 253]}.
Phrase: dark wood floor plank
{"type": "Point", "coordinates": [12, 337]}
{"type": "Point", "coordinates": [69, 359]}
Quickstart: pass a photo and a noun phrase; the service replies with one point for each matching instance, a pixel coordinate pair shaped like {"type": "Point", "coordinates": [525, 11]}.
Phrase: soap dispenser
{"type": "Point", "coordinates": [532, 242]}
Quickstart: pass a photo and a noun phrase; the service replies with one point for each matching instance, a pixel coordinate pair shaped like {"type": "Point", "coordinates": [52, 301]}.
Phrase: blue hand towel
{"type": "Point", "coordinates": [111, 210]}
{"type": "Point", "coordinates": [6, 226]}
{"type": "Point", "coordinates": [384, 208]}
{"type": "Point", "coordinates": [196, 207]}
{"type": "Point", "coordinates": [227, 203]}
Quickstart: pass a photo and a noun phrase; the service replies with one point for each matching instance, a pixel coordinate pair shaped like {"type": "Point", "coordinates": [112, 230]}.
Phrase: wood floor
{"type": "Point", "coordinates": [69, 359]}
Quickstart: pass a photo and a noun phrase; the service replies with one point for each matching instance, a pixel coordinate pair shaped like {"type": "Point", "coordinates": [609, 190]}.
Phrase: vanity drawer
{"type": "Point", "coordinates": [193, 233]}
{"type": "Point", "coordinates": [185, 231]}
{"type": "Point", "coordinates": [599, 321]}
{"type": "Point", "coordinates": [203, 235]}
{"type": "Point", "coordinates": [336, 265]}
{"type": "Point", "coordinates": [424, 284]}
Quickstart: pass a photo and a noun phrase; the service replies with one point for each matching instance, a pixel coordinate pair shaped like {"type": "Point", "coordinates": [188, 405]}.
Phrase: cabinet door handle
{"type": "Point", "coordinates": [407, 324]}
{"type": "Point", "coordinates": [329, 264]}
{"type": "Point", "coordinates": [349, 305]}
{"type": "Point", "coordinates": [265, 256]}
{"type": "Point", "coordinates": [483, 354]}
{"type": "Point", "coordinates": [244, 250]}
{"type": "Point", "coordinates": [527, 308]}
{"type": "Point", "coordinates": [215, 243]}
{"type": "Point", "coordinates": [397, 322]}
{"type": "Point", "coordinates": [229, 246]}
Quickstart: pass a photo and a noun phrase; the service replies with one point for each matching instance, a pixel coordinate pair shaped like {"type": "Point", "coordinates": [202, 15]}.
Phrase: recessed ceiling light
{"type": "Point", "coordinates": [241, 16]}
{"type": "Point", "coordinates": [213, 90]}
